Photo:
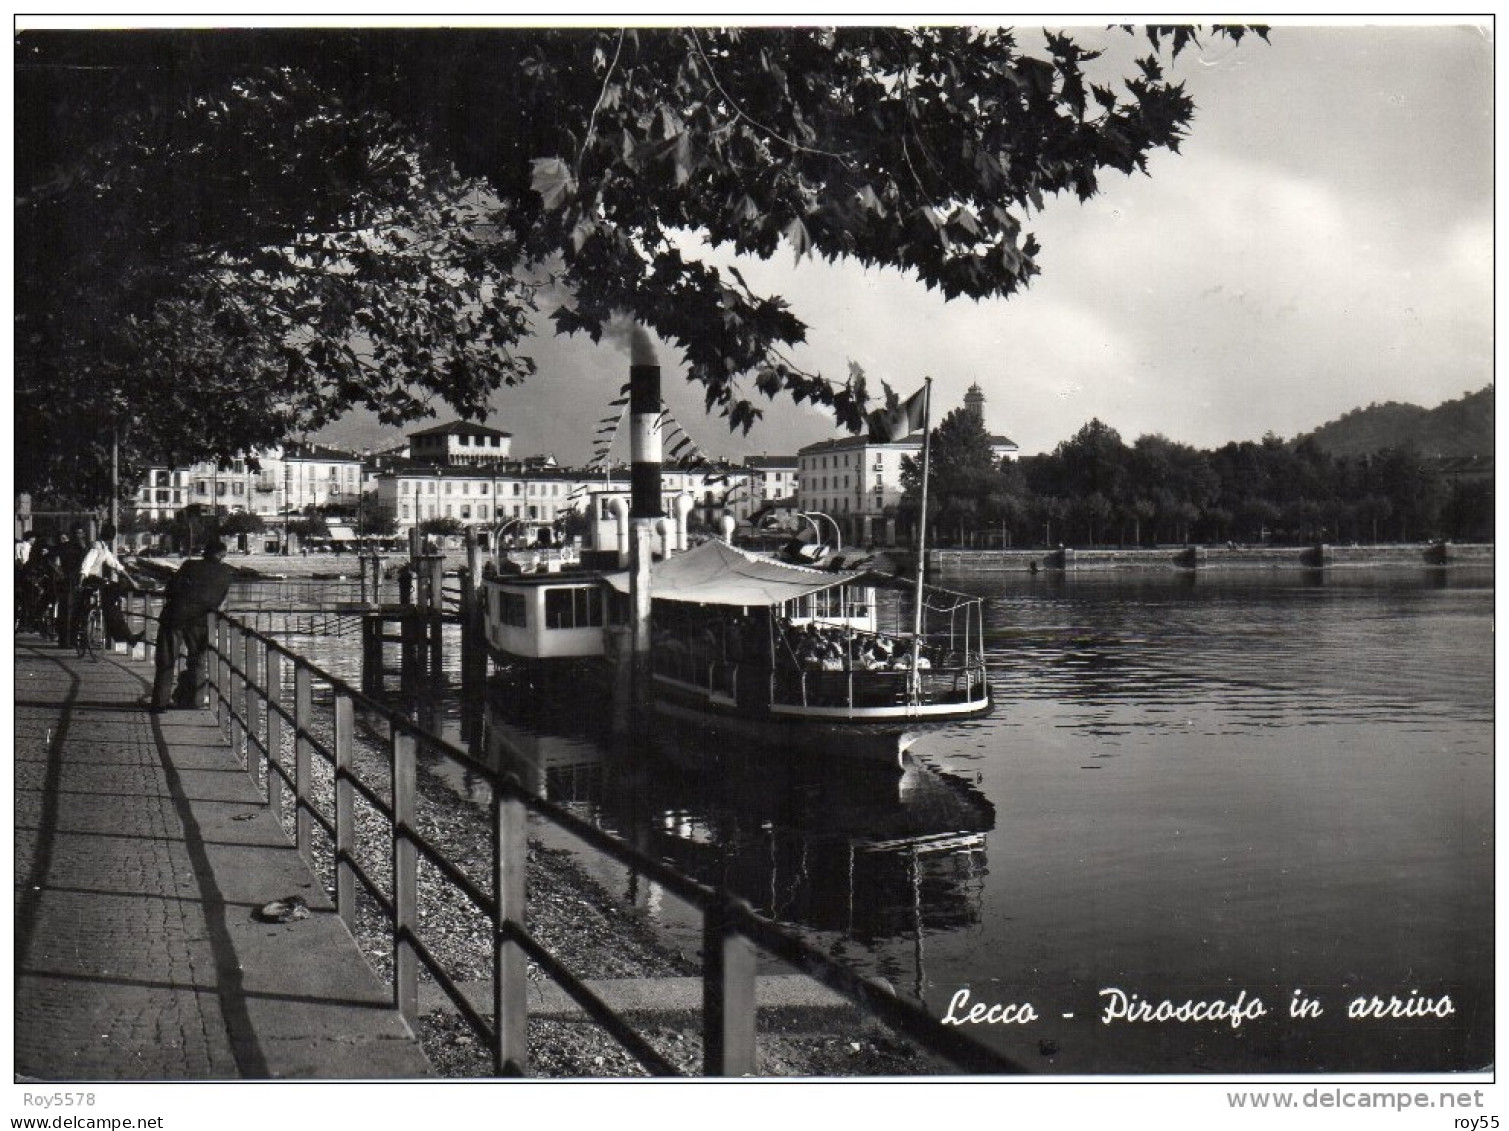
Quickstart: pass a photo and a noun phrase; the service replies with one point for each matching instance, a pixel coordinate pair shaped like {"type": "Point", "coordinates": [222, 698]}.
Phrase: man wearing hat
{"type": "Point", "coordinates": [198, 588]}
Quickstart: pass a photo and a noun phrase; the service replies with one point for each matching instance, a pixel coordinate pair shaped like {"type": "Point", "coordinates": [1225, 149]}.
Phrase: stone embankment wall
{"type": "Point", "coordinates": [1206, 557]}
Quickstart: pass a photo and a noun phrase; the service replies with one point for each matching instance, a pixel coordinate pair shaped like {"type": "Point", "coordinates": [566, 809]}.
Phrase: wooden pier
{"type": "Point", "coordinates": [419, 633]}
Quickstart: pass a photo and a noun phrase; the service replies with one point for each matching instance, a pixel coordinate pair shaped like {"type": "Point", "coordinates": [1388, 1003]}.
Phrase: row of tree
{"type": "Point", "coordinates": [1095, 489]}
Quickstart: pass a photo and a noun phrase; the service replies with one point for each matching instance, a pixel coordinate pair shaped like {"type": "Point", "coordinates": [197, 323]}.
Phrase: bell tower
{"type": "Point", "coordinates": [974, 401]}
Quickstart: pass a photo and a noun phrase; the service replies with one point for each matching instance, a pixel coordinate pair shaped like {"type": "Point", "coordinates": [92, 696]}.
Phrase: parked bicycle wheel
{"type": "Point", "coordinates": [89, 632]}
{"type": "Point", "coordinates": [94, 629]}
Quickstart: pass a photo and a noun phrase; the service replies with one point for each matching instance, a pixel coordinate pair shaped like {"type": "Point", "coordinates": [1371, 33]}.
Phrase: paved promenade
{"type": "Point", "coordinates": [143, 850]}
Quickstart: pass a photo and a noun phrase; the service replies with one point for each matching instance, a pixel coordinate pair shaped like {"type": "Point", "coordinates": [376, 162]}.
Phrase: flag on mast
{"type": "Point", "coordinates": [899, 420]}
{"type": "Point", "coordinates": [914, 678]}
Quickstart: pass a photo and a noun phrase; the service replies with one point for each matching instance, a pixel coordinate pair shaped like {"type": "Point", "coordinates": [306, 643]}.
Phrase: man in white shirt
{"type": "Point", "coordinates": [102, 570]}
{"type": "Point", "coordinates": [101, 558]}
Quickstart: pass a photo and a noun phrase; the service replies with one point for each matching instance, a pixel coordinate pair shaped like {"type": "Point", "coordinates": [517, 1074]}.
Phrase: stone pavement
{"type": "Point", "coordinates": [143, 849]}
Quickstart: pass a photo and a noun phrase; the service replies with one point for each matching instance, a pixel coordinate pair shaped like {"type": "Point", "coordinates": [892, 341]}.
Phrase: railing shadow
{"type": "Point", "coordinates": [264, 697]}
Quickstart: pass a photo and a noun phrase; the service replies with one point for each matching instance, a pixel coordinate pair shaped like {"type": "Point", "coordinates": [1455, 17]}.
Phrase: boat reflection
{"type": "Point", "coordinates": [825, 846]}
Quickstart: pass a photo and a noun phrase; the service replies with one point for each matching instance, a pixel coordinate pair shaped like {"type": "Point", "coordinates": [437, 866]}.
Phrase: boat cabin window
{"type": "Point", "coordinates": [510, 608]}
{"type": "Point", "coordinates": [573, 608]}
{"type": "Point", "coordinates": [835, 604]}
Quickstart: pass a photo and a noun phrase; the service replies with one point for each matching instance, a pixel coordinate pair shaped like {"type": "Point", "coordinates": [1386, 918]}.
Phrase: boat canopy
{"type": "Point", "coordinates": [716, 573]}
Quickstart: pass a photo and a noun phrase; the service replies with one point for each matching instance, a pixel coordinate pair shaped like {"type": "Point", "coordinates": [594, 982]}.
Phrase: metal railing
{"type": "Point", "coordinates": [264, 696]}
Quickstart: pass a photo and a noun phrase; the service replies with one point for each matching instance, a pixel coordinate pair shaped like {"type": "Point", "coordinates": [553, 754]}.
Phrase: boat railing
{"type": "Point", "coordinates": [962, 681]}
{"type": "Point", "coordinates": [356, 813]}
{"type": "Point", "coordinates": [857, 689]}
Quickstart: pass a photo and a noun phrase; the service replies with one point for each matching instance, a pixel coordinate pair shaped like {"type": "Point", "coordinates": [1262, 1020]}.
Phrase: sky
{"type": "Point", "coordinates": [1322, 241]}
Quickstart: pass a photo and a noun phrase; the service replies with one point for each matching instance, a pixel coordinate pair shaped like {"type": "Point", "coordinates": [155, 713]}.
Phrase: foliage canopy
{"type": "Point", "coordinates": [227, 238]}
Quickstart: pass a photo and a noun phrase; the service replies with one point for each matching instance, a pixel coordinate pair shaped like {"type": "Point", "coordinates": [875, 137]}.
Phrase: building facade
{"type": "Point", "coordinates": [772, 478]}
{"type": "Point", "coordinates": [460, 443]}
{"type": "Point", "coordinates": [530, 495]}
{"type": "Point", "coordinates": [857, 481]}
{"type": "Point", "coordinates": [270, 484]}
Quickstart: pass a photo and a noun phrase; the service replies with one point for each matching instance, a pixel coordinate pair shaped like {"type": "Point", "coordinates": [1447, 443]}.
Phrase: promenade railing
{"type": "Point", "coordinates": [297, 727]}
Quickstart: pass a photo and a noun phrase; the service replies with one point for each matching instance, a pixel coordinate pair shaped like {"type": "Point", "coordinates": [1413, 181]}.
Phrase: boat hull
{"type": "Point", "coordinates": [872, 737]}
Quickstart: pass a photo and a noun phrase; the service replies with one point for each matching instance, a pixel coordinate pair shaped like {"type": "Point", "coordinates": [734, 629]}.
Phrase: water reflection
{"type": "Point", "coordinates": [1191, 784]}
{"type": "Point", "coordinates": [831, 846]}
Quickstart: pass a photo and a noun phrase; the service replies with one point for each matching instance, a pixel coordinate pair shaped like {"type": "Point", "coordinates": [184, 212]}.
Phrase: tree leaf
{"type": "Point", "coordinates": [551, 178]}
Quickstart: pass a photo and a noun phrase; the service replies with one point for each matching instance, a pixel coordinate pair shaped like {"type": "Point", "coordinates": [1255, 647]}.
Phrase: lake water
{"type": "Point", "coordinates": [1259, 794]}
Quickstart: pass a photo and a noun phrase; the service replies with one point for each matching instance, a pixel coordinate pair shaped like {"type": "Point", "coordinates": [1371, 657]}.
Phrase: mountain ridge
{"type": "Point", "coordinates": [1461, 427]}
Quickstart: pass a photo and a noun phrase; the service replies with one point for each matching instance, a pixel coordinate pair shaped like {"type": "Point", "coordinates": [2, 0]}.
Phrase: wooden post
{"type": "Point", "coordinates": [405, 879]}
{"type": "Point", "coordinates": [273, 668]}
{"type": "Point", "coordinates": [473, 618]}
{"type": "Point", "coordinates": [303, 709]}
{"type": "Point", "coordinates": [510, 969]}
{"type": "Point", "coordinates": [432, 582]}
{"type": "Point", "coordinates": [372, 632]}
{"type": "Point", "coordinates": [728, 994]}
{"type": "Point", "coordinates": [345, 811]}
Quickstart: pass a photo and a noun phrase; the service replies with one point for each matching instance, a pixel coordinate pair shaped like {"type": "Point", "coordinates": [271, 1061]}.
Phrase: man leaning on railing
{"type": "Point", "coordinates": [196, 590]}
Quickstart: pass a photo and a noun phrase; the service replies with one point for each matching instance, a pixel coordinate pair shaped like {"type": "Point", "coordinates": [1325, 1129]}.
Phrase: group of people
{"type": "Point", "coordinates": [826, 647]}
{"type": "Point", "coordinates": [59, 582]}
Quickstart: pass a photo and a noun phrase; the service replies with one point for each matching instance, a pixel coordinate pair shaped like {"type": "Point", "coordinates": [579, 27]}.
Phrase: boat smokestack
{"type": "Point", "coordinates": [644, 512]}
{"type": "Point", "coordinates": [644, 436]}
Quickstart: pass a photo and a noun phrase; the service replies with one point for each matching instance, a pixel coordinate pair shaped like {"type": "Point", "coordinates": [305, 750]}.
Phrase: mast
{"type": "Point", "coordinates": [927, 449]}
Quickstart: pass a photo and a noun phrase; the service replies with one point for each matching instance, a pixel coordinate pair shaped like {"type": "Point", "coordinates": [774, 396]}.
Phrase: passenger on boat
{"type": "Point", "coordinates": [903, 662]}
{"type": "Point", "coordinates": [872, 657]}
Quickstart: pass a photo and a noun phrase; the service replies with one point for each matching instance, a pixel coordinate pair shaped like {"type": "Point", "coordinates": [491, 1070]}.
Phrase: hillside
{"type": "Point", "coordinates": [1463, 427]}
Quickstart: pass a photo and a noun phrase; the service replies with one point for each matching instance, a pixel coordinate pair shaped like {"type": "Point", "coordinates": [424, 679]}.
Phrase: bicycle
{"type": "Point", "coordinates": [36, 605]}
{"type": "Point", "coordinates": [89, 625]}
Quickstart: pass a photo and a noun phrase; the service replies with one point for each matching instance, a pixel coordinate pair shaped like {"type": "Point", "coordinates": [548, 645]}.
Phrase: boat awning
{"type": "Point", "coordinates": [716, 573]}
